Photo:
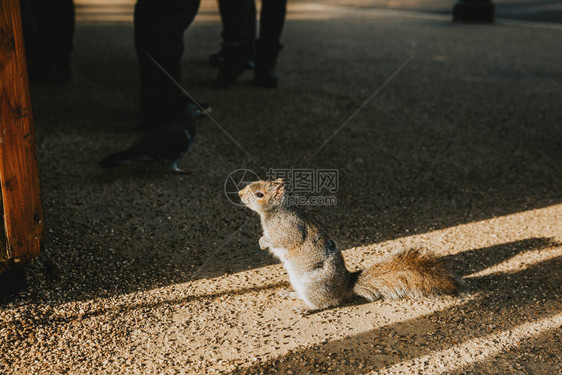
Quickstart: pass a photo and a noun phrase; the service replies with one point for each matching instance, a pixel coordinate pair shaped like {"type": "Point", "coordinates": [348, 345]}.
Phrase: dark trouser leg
{"type": "Point", "coordinates": [253, 28]}
{"type": "Point", "coordinates": [48, 32]}
{"type": "Point", "coordinates": [236, 18]}
{"type": "Point", "coordinates": [237, 36]}
{"type": "Point", "coordinates": [272, 20]}
{"type": "Point", "coordinates": [252, 20]}
{"type": "Point", "coordinates": [217, 58]}
{"type": "Point", "coordinates": [159, 31]}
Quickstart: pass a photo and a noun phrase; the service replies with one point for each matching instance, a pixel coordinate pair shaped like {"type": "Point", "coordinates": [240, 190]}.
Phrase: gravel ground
{"type": "Point", "coordinates": [461, 153]}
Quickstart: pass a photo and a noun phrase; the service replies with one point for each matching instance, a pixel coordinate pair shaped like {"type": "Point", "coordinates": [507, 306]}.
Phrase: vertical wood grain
{"type": "Point", "coordinates": [19, 177]}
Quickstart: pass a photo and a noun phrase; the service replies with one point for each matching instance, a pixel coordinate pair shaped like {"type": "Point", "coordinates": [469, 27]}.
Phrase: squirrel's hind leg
{"type": "Point", "coordinates": [304, 310]}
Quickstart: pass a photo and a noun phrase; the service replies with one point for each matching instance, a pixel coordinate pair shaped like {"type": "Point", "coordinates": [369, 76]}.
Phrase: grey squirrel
{"type": "Point", "coordinates": [316, 267]}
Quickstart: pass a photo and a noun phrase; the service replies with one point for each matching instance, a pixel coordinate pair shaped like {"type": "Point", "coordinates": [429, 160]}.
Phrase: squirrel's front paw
{"type": "Point", "coordinates": [264, 244]}
{"type": "Point", "coordinates": [288, 294]}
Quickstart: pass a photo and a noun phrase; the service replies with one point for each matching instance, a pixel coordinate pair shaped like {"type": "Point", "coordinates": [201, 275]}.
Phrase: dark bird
{"type": "Point", "coordinates": [168, 144]}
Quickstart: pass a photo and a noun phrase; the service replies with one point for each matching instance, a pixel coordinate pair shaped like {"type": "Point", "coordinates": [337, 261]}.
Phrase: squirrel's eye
{"type": "Point", "coordinates": [259, 194]}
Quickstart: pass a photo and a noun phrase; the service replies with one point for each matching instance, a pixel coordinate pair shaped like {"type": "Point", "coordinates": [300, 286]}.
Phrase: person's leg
{"type": "Point", "coordinates": [217, 58]}
{"type": "Point", "coordinates": [268, 45]}
{"type": "Point", "coordinates": [252, 20]}
{"type": "Point", "coordinates": [253, 27]}
{"type": "Point", "coordinates": [237, 39]}
{"type": "Point", "coordinates": [159, 33]}
{"type": "Point", "coordinates": [272, 20]}
{"type": "Point", "coordinates": [234, 18]}
{"type": "Point", "coordinates": [48, 30]}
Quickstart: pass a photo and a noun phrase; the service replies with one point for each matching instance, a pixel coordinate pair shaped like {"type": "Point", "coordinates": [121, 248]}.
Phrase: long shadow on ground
{"type": "Point", "coordinates": [504, 301]}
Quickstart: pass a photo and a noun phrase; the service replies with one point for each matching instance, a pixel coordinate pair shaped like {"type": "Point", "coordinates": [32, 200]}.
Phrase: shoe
{"type": "Point", "coordinates": [235, 62]}
{"type": "Point", "coordinates": [194, 110]}
{"type": "Point", "coordinates": [266, 59]}
{"type": "Point", "coordinates": [217, 59]}
{"type": "Point", "coordinates": [266, 78]}
{"type": "Point", "coordinates": [186, 114]}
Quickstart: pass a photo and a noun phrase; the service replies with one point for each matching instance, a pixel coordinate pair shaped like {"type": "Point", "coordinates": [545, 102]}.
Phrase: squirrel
{"type": "Point", "coordinates": [316, 267]}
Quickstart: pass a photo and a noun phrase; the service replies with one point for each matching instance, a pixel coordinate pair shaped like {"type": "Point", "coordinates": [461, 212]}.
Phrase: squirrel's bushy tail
{"type": "Point", "coordinates": [409, 273]}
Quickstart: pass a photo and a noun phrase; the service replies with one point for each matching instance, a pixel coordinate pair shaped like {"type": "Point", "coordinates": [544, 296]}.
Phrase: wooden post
{"type": "Point", "coordinates": [22, 213]}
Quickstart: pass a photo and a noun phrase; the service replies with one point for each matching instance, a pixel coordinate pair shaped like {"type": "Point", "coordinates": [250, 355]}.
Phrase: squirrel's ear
{"type": "Point", "coordinates": [279, 187]}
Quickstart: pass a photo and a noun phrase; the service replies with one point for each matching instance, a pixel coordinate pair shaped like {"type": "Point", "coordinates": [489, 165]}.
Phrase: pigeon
{"type": "Point", "coordinates": [168, 144]}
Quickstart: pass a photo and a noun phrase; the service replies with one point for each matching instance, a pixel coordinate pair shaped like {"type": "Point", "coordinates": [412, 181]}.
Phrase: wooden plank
{"type": "Point", "coordinates": [19, 177]}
